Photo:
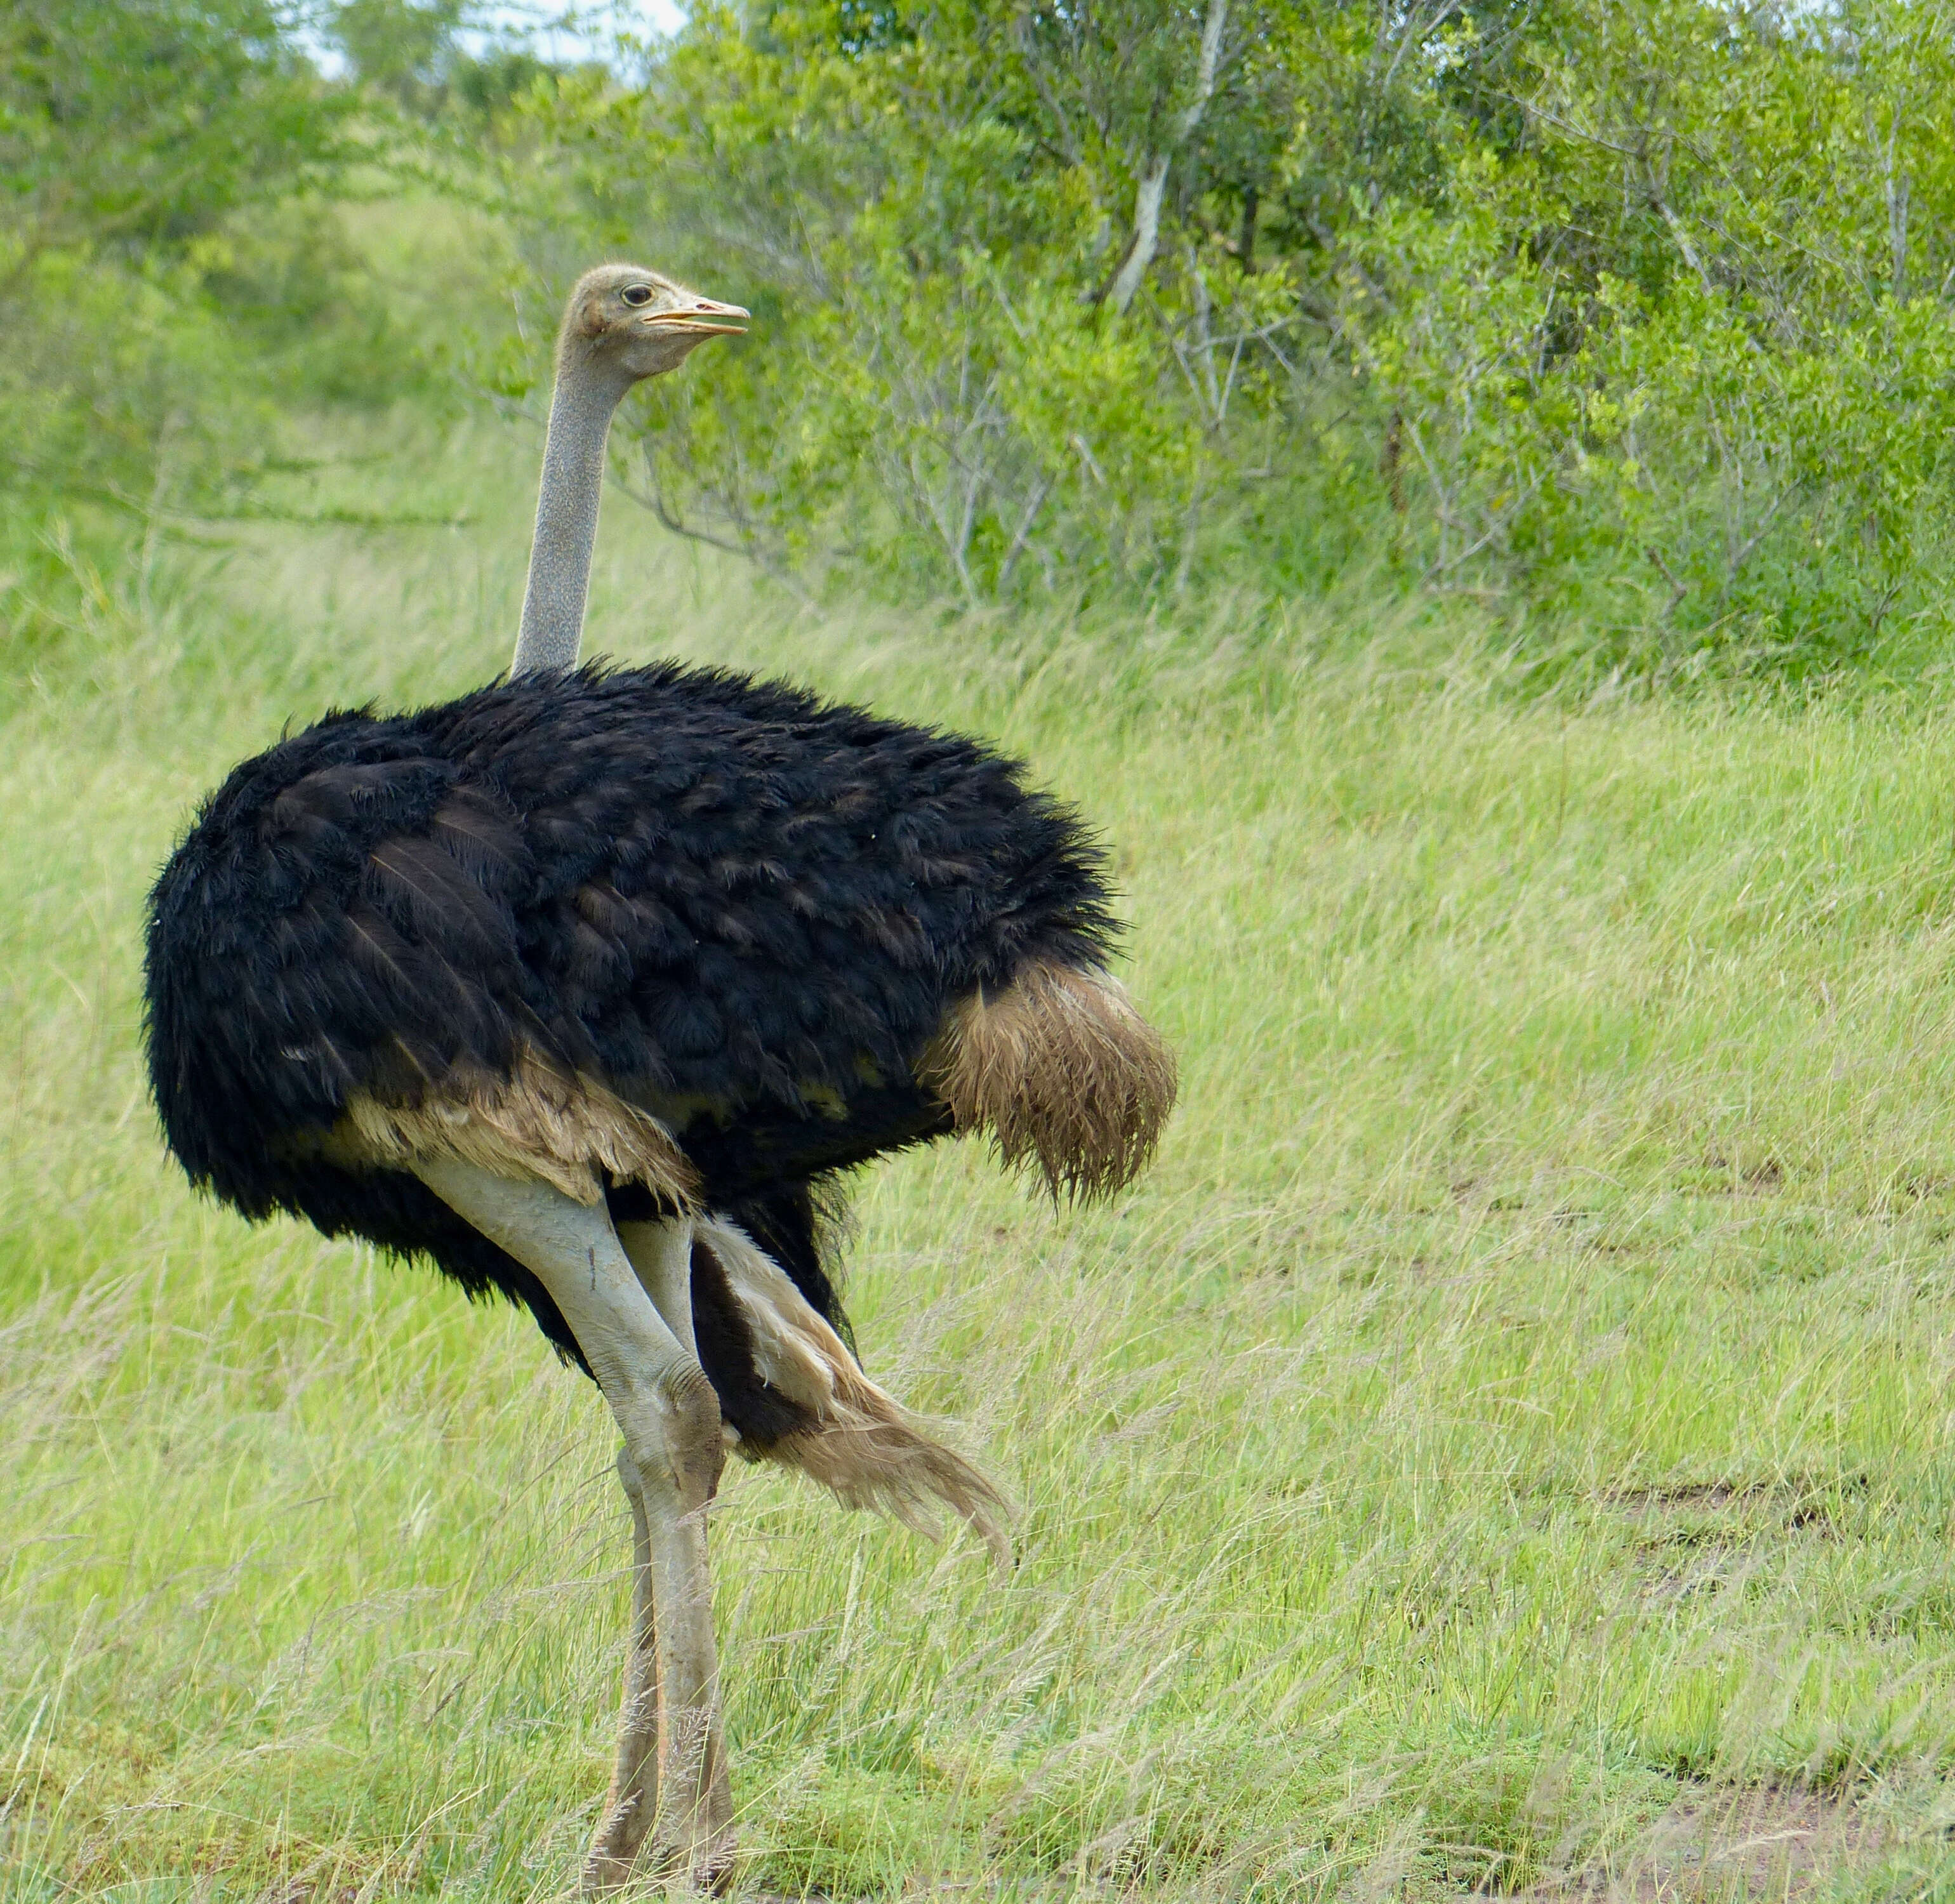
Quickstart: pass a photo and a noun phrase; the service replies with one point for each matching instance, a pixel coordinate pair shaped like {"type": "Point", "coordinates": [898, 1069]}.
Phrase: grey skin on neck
{"type": "Point", "coordinates": [588, 391]}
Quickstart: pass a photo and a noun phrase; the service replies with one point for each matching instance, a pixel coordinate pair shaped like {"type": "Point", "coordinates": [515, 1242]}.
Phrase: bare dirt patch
{"type": "Point", "coordinates": [1696, 1513]}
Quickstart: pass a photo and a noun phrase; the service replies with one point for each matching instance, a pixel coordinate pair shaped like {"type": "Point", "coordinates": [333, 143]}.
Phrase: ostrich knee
{"type": "Point", "coordinates": [674, 1444]}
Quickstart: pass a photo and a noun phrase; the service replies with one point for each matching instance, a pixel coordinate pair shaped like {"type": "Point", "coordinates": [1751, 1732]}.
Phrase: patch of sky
{"type": "Point", "coordinates": [564, 36]}
{"type": "Point", "coordinates": [567, 37]}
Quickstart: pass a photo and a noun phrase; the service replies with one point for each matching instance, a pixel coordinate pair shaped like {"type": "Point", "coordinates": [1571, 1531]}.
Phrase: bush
{"type": "Point", "coordinates": [1633, 318]}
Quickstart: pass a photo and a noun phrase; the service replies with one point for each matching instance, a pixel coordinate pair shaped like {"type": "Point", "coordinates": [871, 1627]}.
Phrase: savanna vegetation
{"type": "Point", "coordinates": [1456, 492]}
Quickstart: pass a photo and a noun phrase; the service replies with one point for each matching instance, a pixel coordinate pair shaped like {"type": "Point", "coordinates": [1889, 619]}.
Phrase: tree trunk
{"type": "Point", "coordinates": [1153, 186]}
{"type": "Point", "coordinates": [1146, 241]}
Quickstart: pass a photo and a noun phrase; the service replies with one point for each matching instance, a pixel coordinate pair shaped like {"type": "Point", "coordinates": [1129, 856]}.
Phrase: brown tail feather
{"type": "Point", "coordinates": [859, 1441]}
{"type": "Point", "coordinates": [1060, 1069]}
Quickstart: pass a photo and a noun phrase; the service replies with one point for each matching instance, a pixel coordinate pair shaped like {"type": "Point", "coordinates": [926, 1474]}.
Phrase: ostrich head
{"type": "Point", "coordinates": [634, 323]}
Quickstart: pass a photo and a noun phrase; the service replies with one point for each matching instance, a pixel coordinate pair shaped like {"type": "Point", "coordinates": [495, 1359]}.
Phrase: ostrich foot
{"type": "Point", "coordinates": [697, 1847]}
{"type": "Point", "coordinates": [692, 1845]}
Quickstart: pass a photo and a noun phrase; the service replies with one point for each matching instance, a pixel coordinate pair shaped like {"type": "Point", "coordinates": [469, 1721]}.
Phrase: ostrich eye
{"type": "Point", "coordinates": [637, 294]}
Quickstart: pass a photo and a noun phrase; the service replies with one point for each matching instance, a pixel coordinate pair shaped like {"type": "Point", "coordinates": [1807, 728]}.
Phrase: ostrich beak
{"type": "Point", "coordinates": [703, 316]}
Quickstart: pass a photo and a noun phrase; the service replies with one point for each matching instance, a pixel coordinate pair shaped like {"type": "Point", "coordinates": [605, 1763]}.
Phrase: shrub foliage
{"type": "Point", "coordinates": [1634, 313]}
{"type": "Point", "coordinates": [1629, 317]}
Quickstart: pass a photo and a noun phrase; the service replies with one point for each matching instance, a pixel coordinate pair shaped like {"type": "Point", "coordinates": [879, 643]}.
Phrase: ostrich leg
{"type": "Point", "coordinates": [633, 1800]}
{"type": "Point", "coordinates": [661, 1255]}
{"type": "Point", "coordinates": [669, 1416]}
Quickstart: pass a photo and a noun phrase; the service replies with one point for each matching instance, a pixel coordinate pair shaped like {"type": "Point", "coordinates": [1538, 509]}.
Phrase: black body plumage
{"type": "Point", "coordinates": [741, 909]}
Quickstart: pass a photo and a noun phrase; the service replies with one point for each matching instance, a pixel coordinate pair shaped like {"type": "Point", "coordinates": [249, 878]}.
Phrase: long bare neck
{"type": "Point", "coordinates": [573, 484]}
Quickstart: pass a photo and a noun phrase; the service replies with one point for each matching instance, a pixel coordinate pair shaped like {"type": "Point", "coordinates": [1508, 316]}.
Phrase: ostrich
{"type": "Point", "coordinates": [586, 987]}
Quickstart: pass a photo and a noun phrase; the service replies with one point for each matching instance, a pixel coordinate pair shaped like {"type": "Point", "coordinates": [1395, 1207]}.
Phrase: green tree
{"type": "Point", "coordinates": [406, 48]}
{"type": "Point", "coordinates": [134, 135]}
{"type": "Point", "coordinates": [141, 125]}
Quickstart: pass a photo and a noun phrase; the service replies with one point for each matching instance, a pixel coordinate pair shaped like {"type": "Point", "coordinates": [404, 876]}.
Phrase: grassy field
{"type": "Point", "coordinates": [1506, 1445]}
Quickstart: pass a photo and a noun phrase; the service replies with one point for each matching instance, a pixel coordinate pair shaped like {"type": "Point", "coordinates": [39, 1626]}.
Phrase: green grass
{"type": "Point", "coordinates": [1514, 1412]}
